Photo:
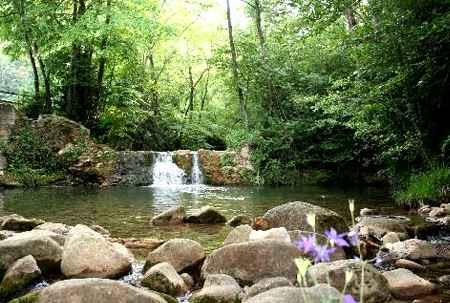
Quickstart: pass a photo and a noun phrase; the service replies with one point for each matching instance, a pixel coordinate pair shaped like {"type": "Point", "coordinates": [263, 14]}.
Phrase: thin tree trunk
{"type": "Point", "coordinates": [351, 20]}
{"type": "Point", "coordinates": [102, 63]}
{"type": "Point", "coordinates": [37, 92]}
{"type": "Point", "coordinates": [235, 68]}
{"type": "Point", "coordinates": [205, 93]}
{"type": "Point", "coordinates": [154, 89]}
{"type": "Point", "coordinates": [47, 106]}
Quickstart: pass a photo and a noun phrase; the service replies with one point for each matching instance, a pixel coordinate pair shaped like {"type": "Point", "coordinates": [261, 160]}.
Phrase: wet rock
{"type": "Point", "coordinates": [293, 217]}
{"type": "Point", "coordinates": [444, 280]}
{"type": "Point", "coordinates": [5, 234]}
{"type": "Point", "coordinates": [145, 245]}
{"type": "Point", "coordinates": [424, 210]}
{"type": "Point", "coordinates": [57, 228]}
{"type": "Point", "coordinates": [375, 286]}
{"type": "Point", "coordinates": [438, 212]}
{"type": "Point", "coordinates": [430, 299]}
{"type": "Point", "coordinates": [101, 230]}
{"type": "Point", "coordinates": [218, 289]}
{"type": "Point", "coordinates": [408, 264]}
{"type": "Point", "coordinates": [135, 167]}
{"type": "Point", "coordinates": [44, 246]}
{"type": "Point", "coordinates": [249, 262]}
{"type": "Point", "coordinates": [368, 212]}
{"type": "Point", "coordinates": [96, 290]}
{"type": "Point", "coordinates": [265, 285]}
{"type": "Point", "coordinates": [239, 220]}
{"type": "Point", "coordinates": [415, 249]}
{"type": "Point", "coordinates": [279, 233]}
{"type": "Point", "coordinates": [19, 223]}
{"type": "Point", "coordinates": [405, 285]}
{"type": "Point", "coordinates": [21, 274]}
{"type": "Point", "coordinates": [87, 254]}
{"type": "Point", "coordinates": [164, 278]}
{"type": "Point", "coordinates": [188, 280]}
{"type": "Point", "coordinates": [182, 254]}
{"type": "Point", "coordinates": [390, 237]}
{"type": "Point", "coordinates": [206, 215]}
{"type": "Point", "coordinates": [378, 226]}
{"type": "Point", "coordinates": [238, 234]}
{"type": "Point", "coordinates": [172, 216]}
{"type": "Point", "coordinates": [317, 294]}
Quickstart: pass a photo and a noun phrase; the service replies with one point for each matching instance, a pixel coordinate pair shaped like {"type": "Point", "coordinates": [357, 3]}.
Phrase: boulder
{"type": "Point", "coordinates": [293, 217]}
{"type": "Point", "coordinates": [279, 233]}
{"type": "Point", "coordinates": [96, 290]}
{"type": "Point", "coordinates": [378, 226]}
{"type": "Point", "coordinates": [444, 281]}
{"type": "Point", "coordinates": [101, 230]}
{"type": "Point", "coordinates": [57, 228]}
{"type": "Point", "coordinates": [405, 285]}
{"type": "Point", "coordinates": [44, 246]}
{"type": "Point", "coordinates": [390, 237]}
{"type": "Point", "coordinates": [87, 254]}
{"type": "Point", "coordinates": [238, 234]}
{"type": "Point", "coordinates": [21, 274]}
{"type": "Point", "coordinates": [318, 294]}
{"type": "Point", "coordinates": [172, 216]}
{"type": "Point", "coordinates": [415, 249]}
{"type": "Point", "coordinates": [164, 278]}
{"type": "Point", "coordinates": [218, 289]}
{"type": "Point", "coordinates": [5, 234]}
{"type": "Point", "coordinates": [188, 280]}
{"type": "Point", "coordinates": [240, 220]}
{"type": "Point", "coordinates": [408, 264]}
{"type": "Point", "coordinates": [182, 254]}
{"type": "Point", "coordinates": [249, 262]}
{"type": "Point", "coordinates": [19, 223]}
{"type": "Point", "coordinates": [369, 212]}
{"type": "Point", "coordinates": [206, 215]}
{"type": "Point", "coordinates": [265, 285]}
{"type": "Point", "coordinates": [438, 212]}
{"type": "Point", "coordinates": [375, 285]}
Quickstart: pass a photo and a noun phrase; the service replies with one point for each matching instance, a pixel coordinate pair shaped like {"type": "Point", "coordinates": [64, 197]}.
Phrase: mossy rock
{"type": "Point", "coordinates": [28, 298]}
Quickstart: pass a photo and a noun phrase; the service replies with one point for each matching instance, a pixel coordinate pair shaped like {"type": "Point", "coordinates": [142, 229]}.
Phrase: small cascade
{"type": "Point", "coordinates": [197, 175]}
{"type": "Point", "coordinates": [166, 172]}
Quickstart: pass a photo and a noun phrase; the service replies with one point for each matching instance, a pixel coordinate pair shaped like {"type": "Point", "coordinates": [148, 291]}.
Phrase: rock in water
{"type": "Point", "coordinates": [44, 246]}
{"type": "Point", "coordinates": [96, 290]}
{"type": "Point", "coordinates": [293, 217]}
{"type": "Point", "coordinates": [21, 274]}
{"type": "Point", "coordinates": [405, 285]}
{"type": "Point", "coordinates": [206, 215]}
{"type": "Point", "coordinates": [375, 285]}
{"type": "Point", "coordinates": [239, 220]}
{"type": "Point", "coordinates": [238, 234]}
{"type": "Point", "coordinates": [318, 294]}
{"type": "Point", "coordinates": [172, 216]}
{"type": "Point", "coordinates": [180, 253]}
{"type": "Point", "coordinates": [218, 289]}
{"type": "Point", "coordinates": [164, 278]}
{"type": "Point", "coordinates": [249, 262]}
{"type": "Point", "coordinates": [57, 228]}
{"type": "Point", "coordinates": [19, 223]}
{"type": "Point", "coordinates": [87, 254]}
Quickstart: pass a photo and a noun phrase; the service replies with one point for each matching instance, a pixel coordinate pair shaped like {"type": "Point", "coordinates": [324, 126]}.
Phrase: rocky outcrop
{"type": "Point", "coordinates": [405, 285]}
{"type": "Point", "coordinates": [164, 278]}
{"type": "Point", "coordinates": [249, 262]}
{"type": "Point", "coordinates": [18, 223]}
{"type": "Point", "coordinates": [182, 254]}
{"type": "Point", "coordinates": [135, 167]}
{"type": "Point", "coordinates": [96, 290]}
{"type": "Point", "coordinates": [183, 159]}
{"type": "Point", "coordinates": [87, 254]}
{"type": "Point", "coordinates": [317, 294]}
{"type": "Point", "coordinates": [293, 217]}
{"type": "Point", "coordinates": [375, 290]}
{"type": "Point", "coordinates": [206, 215]}
{"type": "Point", "coordinates": [218, 289]}
{"type": "Point", "coordinates": [172, 216]}
{"type": "Point", "coordinates": [7, 121]}
{"type": "Point", "coordinates": [23, 272]}
{"type": "Point", "coordinates": [44, 246]}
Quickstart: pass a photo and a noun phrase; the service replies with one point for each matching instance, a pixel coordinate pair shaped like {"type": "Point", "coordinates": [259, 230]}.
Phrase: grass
{"type": "Point", "coordinates": [432, 186]}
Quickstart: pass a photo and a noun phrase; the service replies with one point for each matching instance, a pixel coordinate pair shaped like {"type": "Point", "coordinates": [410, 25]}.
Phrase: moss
{"type": "Point", "coordinates": [148, 159]}
{"type": "Point", "coordinates": [226, 159]}
{"type": "Point", "coordinates": [28, 298]}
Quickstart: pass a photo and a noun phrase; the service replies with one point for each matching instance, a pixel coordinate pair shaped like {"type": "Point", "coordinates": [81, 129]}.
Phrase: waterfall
{"type": "Point", "coordinates": [197, 175]}
{"type": "Point", "coordinates": [166, 172]}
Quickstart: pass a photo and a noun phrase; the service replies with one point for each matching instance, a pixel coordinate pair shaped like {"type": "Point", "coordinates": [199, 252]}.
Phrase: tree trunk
{"type": "Point", "coordinates": [235, 68]}
{"type": "Point", "coordinates": [154, 89]}
{"type": "Point", "coordinates": [47, 106]}
{"type": "Point", "coordinates": [102, 63]}
{"type": "Point", "coordinates": [37, 92]}
{"type": "Point", "coordinates": [350, 16]}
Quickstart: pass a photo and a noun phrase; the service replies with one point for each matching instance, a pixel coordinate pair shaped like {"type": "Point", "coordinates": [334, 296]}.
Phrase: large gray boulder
{"type": "Point", "coordinates": [318, 294]}
{"type": "Point", "coordinates": [405, 285]}
{"type": "Point", "coordinates": [415, 249]}
{"type": "Point", "coordinates": [57, 228]}
{"type": "Point", "coordinates": [172, 216]}
{"type": "Point", "coordinates": [378, 226]}
{"type": "Point", "coordinates": [18, 223]}
{"type": "Point", "coordinates": [249, 262]}
{"type": "Point", "coordinates": [87, 254]}
{"type": "Point", "coordinates": [218, 289]}
{"type": "Point", "coordinates": [238, 234]}
{"type": "Point", "coordinates": [375, 287]}
{"type": "Point", "coordinates": [206, 215]}
{"type": "Point", "coordinates": [265, 285]}
{"type": "Point", "coordinates": [96, 290]}
{"type": "Point", "coordinates": [293, 217]}
{"type": "Point", "coordinates": [182, 254]}
{"type": "Point", "coordinates": [164, 278]}
{"type": "Point", "coordinates": [44, 246]}
{"type": "Point", "coordinates": [21, 274]}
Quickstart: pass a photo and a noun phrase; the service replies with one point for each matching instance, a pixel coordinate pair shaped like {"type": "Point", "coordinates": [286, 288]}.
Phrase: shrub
{"type": "Point", "coordinates": [432, 186]}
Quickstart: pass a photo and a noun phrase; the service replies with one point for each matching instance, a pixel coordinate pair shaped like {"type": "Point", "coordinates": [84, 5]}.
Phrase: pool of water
{"type": "Point", "coordinates": [126, 211]}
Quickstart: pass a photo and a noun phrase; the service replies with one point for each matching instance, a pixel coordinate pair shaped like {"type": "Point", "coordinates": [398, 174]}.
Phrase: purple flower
{"type": "Point", "coordinates": [323, 253]}
{"type": "Point", "coordinates": [379, 261]}
{"type": "Point", "coordinates": [349, 299]}
{"type": "Point", "coordinates": [353, 238]}
{"type": "Point", "coordinates": [335, 238]}
{"type": "Point", "coordinates": [307, 244]}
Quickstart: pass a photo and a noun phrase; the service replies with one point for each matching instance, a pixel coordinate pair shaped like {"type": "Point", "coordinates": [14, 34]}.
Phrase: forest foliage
{"type": "Point", "coordinates": [348, 89]}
